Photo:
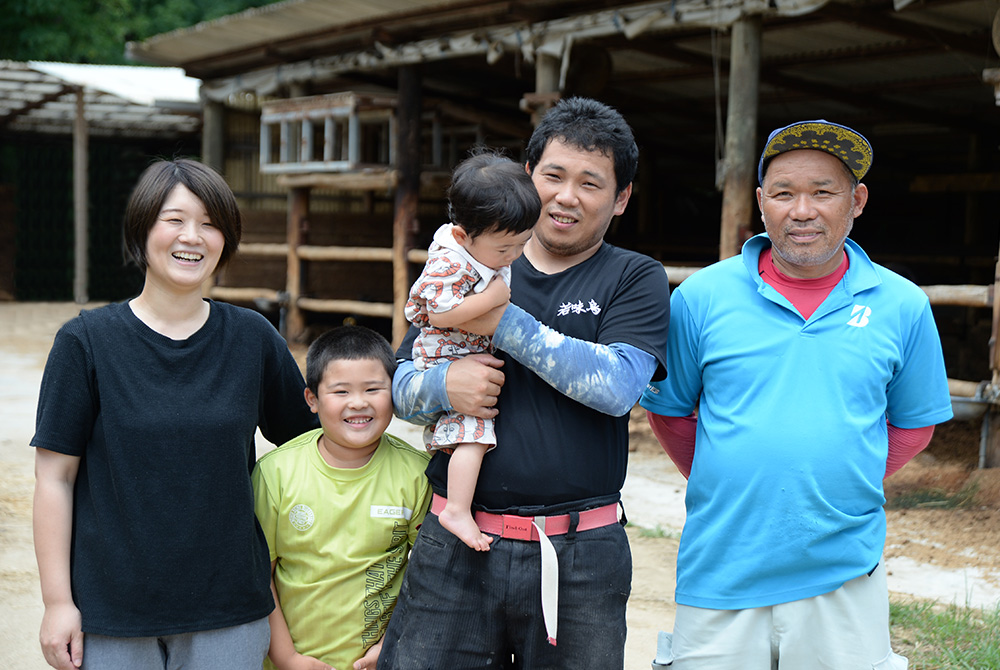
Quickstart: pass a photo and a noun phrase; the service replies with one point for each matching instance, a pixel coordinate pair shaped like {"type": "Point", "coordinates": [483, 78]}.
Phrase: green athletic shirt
{"type": "Point", "coordinates": [340, 538]}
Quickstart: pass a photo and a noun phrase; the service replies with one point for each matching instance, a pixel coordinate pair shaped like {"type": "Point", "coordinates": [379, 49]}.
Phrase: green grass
{"type": "Point", "coordinates": [659, 532]}
{"type": "Point", "coordinates": [937, 498]}
{"type": "Point", "coordinates": [937, 637]}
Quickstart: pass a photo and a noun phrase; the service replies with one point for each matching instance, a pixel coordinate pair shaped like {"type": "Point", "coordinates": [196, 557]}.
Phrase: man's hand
{"type": "Point", "coordinates": [61, 637]}
{"type": "Point", "coordinates": [473, 383]}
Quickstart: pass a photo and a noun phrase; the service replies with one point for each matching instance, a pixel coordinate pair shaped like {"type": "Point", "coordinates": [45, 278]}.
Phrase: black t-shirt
{"type": "Point", "coordinates": [165, 539]}
{"type": "Point", "coordinates": [554, 454]}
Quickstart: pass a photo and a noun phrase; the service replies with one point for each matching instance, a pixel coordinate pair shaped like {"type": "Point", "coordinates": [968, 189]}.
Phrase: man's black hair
{"type": "Point", "coordinates": [592, 126]}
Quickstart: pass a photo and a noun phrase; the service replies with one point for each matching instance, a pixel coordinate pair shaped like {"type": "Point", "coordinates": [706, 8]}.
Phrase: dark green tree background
{"type": "Point", "coordinates": [95, 31]}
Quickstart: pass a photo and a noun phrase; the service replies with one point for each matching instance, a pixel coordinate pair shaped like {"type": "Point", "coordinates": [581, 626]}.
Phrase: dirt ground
{"type": "Point", "coordinates": [933, 550]}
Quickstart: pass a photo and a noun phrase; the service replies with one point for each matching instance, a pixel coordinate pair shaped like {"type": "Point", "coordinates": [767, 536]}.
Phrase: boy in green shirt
{"type": "Point", "coordinates": [340, 507]}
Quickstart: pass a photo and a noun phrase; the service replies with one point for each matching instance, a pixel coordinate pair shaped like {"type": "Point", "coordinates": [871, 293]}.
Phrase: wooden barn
{"type": "Point", "coordinates": [73, 140]}
{"type": "Point", "coordinates": [337, 125]}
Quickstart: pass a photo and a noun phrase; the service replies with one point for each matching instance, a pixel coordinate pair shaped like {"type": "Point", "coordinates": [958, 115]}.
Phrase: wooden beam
{"type": "Point", "coordinates": [418, 256]}
{"type": "Point", "coordinates": [404, 222]}
{"type": "Point", "coordinates": [81, 224]}
{"type": "Point", "coordinates": [973, 182]}
{"type": "Point", "coordinates": [345, 307]}
{"type": "Point", "coordinates": [213, 135]}
{"type": "Point", "coordinates": [497, 122]}
{"type": "Point", "coordinates": [315, 253]}
{"type": "Point", "coordinates": [242, 293]}
{"type": "Point", "coordinates": [962, 388]}
{"type": "Point", "coordinates": [991, 455]}
{"type": "Point", "coordinates": [298, 213]}
{"type": "Point", "coordinates": [37, 104]}
{"type": "Point", "coordinates": [886, 20]}
{"type": "Point", "coordinates": [383, 180]}
{"type": "Point", "coordinates": [264, 249]}
{"type": "Point", "coordinates": [960, 294]}
{"type": "Point", "coordinates": [741, 136]}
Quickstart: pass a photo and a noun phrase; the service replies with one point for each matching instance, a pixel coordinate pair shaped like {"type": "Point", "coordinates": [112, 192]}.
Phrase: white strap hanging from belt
{"type": "Point", "coordinates": [550, 581]}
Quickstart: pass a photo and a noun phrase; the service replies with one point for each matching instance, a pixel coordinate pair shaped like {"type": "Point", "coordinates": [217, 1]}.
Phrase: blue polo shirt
{"type": "Point", "coordinates": [785, 496]}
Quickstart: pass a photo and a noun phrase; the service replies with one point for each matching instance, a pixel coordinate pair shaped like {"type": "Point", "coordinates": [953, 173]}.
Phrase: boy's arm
{"type": "Point", "coordinates": [282, 650]}
{"type": "Point", "coordinates": [473, 305]}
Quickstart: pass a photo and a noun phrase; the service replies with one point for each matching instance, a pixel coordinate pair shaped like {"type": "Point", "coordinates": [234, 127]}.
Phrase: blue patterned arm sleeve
{"type": "Point", "coordinates": [419, 397]}
{"type": "Point", "coordinates": [608, 378]}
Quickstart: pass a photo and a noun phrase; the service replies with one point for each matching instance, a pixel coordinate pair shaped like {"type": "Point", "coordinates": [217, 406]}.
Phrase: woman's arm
{"type": "Point", "coordinates": [61, 635]}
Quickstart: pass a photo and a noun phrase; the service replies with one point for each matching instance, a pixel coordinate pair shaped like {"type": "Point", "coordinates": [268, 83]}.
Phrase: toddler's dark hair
{"type": "Point", "coordinates": [491, 193]}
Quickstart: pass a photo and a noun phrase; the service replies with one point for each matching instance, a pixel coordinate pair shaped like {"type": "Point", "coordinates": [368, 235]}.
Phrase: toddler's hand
{"type": "Point", "coordinates": [498, 291]}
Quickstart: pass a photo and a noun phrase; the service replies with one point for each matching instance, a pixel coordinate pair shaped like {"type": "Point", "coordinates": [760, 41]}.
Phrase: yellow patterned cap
{"type": "Point", "coordinates": [846, 144]}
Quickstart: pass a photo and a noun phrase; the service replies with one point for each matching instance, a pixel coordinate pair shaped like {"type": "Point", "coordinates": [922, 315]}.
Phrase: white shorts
{"type": "Point", "coordinates": [846, 629]}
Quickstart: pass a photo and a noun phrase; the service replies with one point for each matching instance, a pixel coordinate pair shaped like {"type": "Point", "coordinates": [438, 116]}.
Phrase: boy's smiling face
{"type": "Point", "coordinates": [354, 404]}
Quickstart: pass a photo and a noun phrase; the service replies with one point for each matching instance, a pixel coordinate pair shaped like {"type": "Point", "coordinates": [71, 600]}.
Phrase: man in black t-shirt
{"type": "Point", "coordinates": [584, 331]}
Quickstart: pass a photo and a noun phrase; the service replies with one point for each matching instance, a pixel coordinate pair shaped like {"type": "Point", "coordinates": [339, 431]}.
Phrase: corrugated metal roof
{"type": "Point", "coordinates": [269, 24]}
{"type": "Point", "coordinates": [119, 100]}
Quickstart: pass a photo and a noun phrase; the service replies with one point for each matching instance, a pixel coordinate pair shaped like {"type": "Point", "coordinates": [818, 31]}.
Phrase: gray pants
{"type": "Point", "coordinates": [234, 648]}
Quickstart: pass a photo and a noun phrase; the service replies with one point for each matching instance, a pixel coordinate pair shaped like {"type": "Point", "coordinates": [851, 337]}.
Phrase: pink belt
{"type": "Point", "coordinates": [515, 527]}
{"type": "Point", "coordinates": [538, 529]}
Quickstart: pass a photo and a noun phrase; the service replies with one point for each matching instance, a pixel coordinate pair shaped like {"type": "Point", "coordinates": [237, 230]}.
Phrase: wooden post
{"type": "Point", "coordinates": [546, 87]}
{"type": "Point", "coordinates": [992, 455]}
{"type": "Point", "coordinates": [298, 214]}
{"type": "Point", "coordinates": [80, 222]}
{"type": "Point", "coordinates": [405, 223]}
{"type": "Point", "coordinates": [741, 136]}
{"type": "Point", "coordinates": [212, 134]}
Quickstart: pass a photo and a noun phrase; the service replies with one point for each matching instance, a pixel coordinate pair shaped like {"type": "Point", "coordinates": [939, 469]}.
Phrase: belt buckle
{"type": "Point", "coordinates": [516, 527]}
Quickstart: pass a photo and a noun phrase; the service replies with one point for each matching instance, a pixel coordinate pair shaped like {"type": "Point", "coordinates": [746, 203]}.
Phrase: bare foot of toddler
{"type": "Point", "coordinates": [463, 526]}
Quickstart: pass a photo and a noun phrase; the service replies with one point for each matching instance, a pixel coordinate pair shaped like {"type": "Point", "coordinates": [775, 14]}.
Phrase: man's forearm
{"type": "Point", "coordinates": [420, 396]}
{"type": "Point", "coordinates": [608, 378]}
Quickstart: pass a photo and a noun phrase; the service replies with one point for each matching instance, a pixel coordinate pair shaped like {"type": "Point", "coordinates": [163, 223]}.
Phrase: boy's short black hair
{"type": "Point", "coordinates": [592, 126]}
{"type": "Point", "coordinates": [349, 343]}
{"type": "Point", "coordinates": [491, 193]}
{"type": "Point", "coordinates": [154, 186]}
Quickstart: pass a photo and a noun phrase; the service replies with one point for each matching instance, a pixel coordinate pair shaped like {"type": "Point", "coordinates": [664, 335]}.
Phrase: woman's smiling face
{"type": "Point", "coordinates": [183, 247]}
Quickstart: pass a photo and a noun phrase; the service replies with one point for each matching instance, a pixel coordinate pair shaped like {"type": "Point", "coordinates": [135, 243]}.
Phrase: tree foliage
{"type": "Point", "coordinates": [95, 31]}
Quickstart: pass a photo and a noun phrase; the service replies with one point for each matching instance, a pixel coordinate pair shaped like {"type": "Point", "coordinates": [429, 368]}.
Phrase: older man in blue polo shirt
{"type": "Point", "coordinates": [801, 375]}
